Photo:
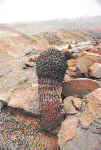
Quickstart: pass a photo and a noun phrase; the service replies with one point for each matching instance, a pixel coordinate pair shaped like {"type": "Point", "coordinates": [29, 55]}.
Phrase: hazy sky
{"type": "Point", "coordinates": [35, 10]}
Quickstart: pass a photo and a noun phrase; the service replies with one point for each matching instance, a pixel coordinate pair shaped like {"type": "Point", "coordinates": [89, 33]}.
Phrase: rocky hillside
{"type": "Point", "coordinates": [81, 90]}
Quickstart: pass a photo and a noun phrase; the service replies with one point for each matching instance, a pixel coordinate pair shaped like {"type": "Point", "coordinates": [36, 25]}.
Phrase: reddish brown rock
{"type": "Point", "coordinates": [95, 70]}
{"type": "Point", "coordinates": [80, 87]}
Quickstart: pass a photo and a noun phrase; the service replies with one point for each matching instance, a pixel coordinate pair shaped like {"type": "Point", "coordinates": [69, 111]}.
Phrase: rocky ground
{"type": "Point", "coordinates": [81, 128]}
{"type": "Point", "coordinates": [81, 92]}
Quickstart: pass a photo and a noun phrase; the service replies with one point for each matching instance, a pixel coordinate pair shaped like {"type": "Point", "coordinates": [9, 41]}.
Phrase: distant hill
{"type": "Point", "coordinates": [68, 24]}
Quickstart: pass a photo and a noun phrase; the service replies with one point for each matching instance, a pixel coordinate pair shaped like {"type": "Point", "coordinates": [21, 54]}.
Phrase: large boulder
{"type": "Point", "coordinates": [67, 132]}
{"type": "Point", "coordinates": [83, 131]}
{"type": "Point", "coordinates": [93, 109]}
{"type": "Point", "coordinates": [72, 137]}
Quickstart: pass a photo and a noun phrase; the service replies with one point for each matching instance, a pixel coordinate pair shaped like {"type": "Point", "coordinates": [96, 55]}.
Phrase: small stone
{"type": "Point", "coordinates": [77, 102]}
{"type": "Point", "coordinates": [68, 105]}
{"type": "Point", "coordinates": [67, 78]}
{"type": "Point", "coordinates": [29, 61]}
{"type": "Point", "coordinates": [1, 75]}
{"type": "Point", "coordinates": [72, 67]}
{"type": "Point", "coordinates": [71, 63]}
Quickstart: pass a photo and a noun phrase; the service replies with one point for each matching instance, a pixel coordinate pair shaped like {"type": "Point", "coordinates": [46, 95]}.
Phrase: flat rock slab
{"type": "Point", "coordinates": [18, 85]}
{"type": "Point", "coordinates": [79, 87]}
{"type": "Point", "coordinates": [23, 98]}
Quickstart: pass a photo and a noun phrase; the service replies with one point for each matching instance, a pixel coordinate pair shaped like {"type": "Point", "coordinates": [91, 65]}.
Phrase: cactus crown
{"type": "Point", "coordinates": [51, 64]}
